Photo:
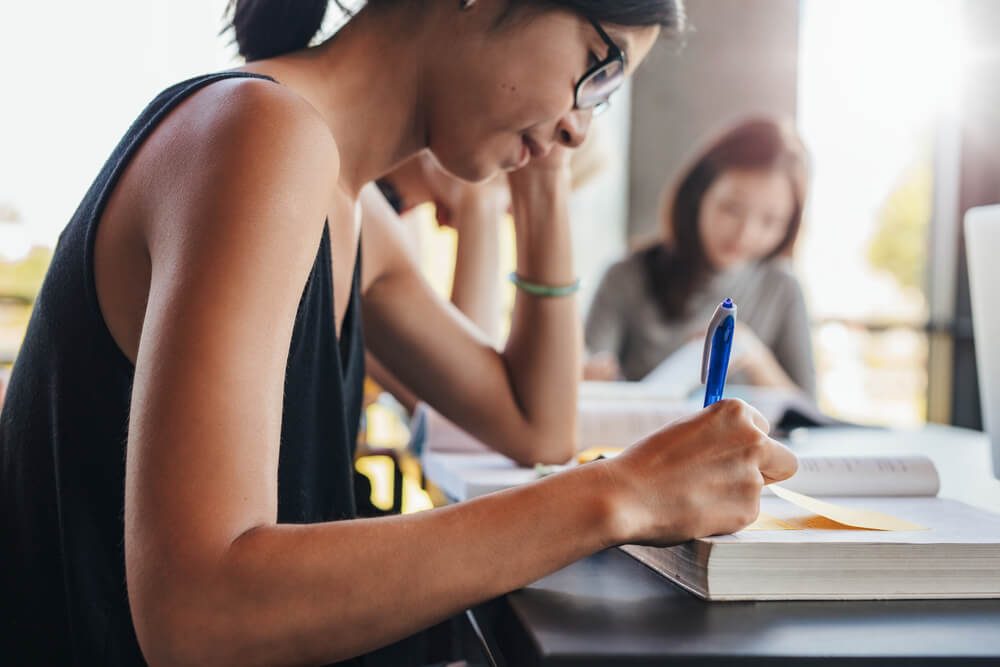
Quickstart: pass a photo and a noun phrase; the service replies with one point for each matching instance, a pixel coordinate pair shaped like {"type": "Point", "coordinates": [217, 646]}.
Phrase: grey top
{"type": "Point", "coordinates": [626, 321]}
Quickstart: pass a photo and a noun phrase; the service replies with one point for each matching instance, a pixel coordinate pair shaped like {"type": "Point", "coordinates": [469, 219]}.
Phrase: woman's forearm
{"type": "Point", "coordinates": [291, 595]}
{"type": "Point", "coordinates": [475, 289]}
{"type": "Point", "coordinates": [313, 594]}
{"type": "Point", "coordinates": [543, 352]}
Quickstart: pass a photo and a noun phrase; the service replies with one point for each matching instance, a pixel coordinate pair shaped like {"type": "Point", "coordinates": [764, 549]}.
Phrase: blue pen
{"type": "Point", "coordinates": [718, 346]}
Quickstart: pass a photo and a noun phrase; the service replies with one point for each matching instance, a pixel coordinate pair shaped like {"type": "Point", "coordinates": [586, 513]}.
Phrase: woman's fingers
{"type": "Point", "coordinates": [777, 462]}
{"type": "Point", "coordinates": [701, 475]}
{"type": "Point", "coordinates": [758, 419]}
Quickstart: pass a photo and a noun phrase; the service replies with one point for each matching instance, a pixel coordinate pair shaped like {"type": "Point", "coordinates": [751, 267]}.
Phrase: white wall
{"type": "Point", "coordinates": [75, 75]}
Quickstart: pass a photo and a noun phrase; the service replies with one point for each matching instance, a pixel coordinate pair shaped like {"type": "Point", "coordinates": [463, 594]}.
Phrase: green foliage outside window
{"type": "Point", "coordinates": [899, 245]}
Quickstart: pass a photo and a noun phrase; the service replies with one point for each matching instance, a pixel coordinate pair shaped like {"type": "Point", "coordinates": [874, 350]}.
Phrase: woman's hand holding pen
{"type": "Point", "coordinates": [699, 476]}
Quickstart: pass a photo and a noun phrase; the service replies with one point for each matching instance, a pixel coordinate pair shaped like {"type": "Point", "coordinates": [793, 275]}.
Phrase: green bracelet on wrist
{"type": "Point", "coordinates": [537, 289]}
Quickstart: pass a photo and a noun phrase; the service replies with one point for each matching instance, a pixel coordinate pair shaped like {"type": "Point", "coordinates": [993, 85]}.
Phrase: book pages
{"type": "Point", "coordinates": [897, 476]}
{"type": "Point", "coordinates": [848, 516]}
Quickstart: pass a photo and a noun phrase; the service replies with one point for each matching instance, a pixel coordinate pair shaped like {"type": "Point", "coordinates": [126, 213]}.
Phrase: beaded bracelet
{"type": "Point", "coordinates": [536, 289]}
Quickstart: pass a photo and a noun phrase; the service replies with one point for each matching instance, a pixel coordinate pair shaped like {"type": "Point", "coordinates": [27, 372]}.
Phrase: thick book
{"type": "Point", "coordinates": [799, 550]}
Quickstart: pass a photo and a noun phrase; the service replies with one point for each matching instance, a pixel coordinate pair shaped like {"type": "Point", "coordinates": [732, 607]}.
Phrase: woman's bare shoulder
{"type": "Point", "coordinates": [239, 152]}
{"type": "Point", "coordinates": [258, 120]}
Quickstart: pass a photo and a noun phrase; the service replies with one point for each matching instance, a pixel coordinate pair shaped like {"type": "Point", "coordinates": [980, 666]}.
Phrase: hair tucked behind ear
{"type": "Point", "coordinates": [267, 28]}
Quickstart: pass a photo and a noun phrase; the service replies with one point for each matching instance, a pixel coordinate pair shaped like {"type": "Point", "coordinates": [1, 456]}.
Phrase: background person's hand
{"type": "Point", "coordinates": [602, 367]}
{"type": "Point", "coordinates": [698, 476]}
{"type": "Point", "coordinates": [754, 358]}
{"type": "Point", "coordinates": [459, 204]}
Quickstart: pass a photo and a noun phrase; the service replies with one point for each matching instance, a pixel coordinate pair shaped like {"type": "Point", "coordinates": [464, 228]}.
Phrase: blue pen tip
{"type": "Point", "coordinates": [728, 303]}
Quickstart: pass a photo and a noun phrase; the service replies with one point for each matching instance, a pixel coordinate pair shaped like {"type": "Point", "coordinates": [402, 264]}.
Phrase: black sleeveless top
{"type": "Point", "coordinates": [63, 433]}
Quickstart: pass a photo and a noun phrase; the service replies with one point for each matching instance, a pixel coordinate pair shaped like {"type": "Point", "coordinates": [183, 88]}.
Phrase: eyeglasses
{"type": "Point", "coordinates": [600, 81]}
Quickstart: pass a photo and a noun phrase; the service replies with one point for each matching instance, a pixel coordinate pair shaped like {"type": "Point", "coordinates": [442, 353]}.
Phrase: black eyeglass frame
{"type": "Point", "coordinates": [615, 53]}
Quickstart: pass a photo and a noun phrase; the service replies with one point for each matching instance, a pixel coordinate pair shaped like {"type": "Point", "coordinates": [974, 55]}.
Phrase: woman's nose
{"type": "Point", "coordinates": [571, 130]}
{"type": "Point", "coordinates": [746, 230]}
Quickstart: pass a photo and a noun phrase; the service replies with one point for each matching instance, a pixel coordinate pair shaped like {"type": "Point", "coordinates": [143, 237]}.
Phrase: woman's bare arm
{"type": "Point", "coordinates": [475, 289]}
{"type": "Point", "coordinates": [521, 401]}
{"type": "Point", "coordinates": [475, 211]}
{"type": "Point", "coordinates": [212, 578]}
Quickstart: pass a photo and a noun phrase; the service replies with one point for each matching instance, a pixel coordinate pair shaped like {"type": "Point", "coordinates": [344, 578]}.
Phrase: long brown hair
{"type": "Point", "coordinates": [677, 266]}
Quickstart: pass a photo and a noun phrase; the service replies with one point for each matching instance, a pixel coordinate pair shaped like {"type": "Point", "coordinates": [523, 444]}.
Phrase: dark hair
{"type": "Point", "coordinates": [677, 266]}
{"type": "Point", "coordinates": [267, 28]}
{"type": "Point", "coordinates": [668, 14]}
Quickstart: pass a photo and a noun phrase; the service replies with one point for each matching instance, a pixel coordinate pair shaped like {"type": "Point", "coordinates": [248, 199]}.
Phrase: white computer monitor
{"type": "Point", "coordinates": [982, 247]}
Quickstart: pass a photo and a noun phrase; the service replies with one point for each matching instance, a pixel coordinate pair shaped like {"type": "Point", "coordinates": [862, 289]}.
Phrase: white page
{"type": "Point", "coordinates": [443, 435]}
{"type": "Point", "coordinates": [601, 423]}
{"type": "Point", "coordinates": [621, 423]}
{"type": "Point", "coordinates": [865, 476]}
{"type": "Point", "coordinates": [594, 391]}
{"type": "Point", "coordinates": [946, 522]}
{"type": "Point", "coordinates": [680, 373]}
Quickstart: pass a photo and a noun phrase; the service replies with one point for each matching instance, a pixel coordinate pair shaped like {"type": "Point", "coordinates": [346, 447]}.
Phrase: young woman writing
{"type": "Point", "coordinates": [178, 432]}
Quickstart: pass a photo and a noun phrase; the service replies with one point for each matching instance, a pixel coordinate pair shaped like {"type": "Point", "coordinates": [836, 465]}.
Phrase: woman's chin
{"type": "Point", "coordinates": [728, 263]}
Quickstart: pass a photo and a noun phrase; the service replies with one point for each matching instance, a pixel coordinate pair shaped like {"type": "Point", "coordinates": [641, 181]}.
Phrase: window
{"type": "Point", "coordinates": [879, 84]}
{"type": "Point", "coordinates": [92, 69]}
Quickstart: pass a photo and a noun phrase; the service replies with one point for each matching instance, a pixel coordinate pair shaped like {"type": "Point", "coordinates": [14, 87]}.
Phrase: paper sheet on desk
{"type": "Point", "coordinates": [829, 516]}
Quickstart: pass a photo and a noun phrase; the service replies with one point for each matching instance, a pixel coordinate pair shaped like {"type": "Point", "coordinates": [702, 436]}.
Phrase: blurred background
{"type": "Point", "coordinates": [898, 102]}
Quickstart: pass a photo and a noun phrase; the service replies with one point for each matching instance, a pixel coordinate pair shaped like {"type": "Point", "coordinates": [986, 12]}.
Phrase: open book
{"type": "Point", "coordinates": [610, 414]}
{"type": "Point", "coordinates": [807, 544]}
{"type": "Point", "coordinates": [617, 414]}
{"type": "Point", "coordinates": [678, 377]}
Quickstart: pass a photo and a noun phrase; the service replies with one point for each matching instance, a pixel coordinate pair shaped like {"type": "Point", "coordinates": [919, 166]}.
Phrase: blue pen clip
{"type": "Point", "coordinates": [718, 346]}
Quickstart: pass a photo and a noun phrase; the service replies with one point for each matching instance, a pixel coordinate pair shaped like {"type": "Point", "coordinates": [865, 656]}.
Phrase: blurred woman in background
{"type": "Point", "coordinates": [729, 228]}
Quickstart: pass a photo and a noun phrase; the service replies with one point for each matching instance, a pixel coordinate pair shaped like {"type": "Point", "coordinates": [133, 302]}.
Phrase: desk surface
{"type": "Point", "coordinates": [610, 610]}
